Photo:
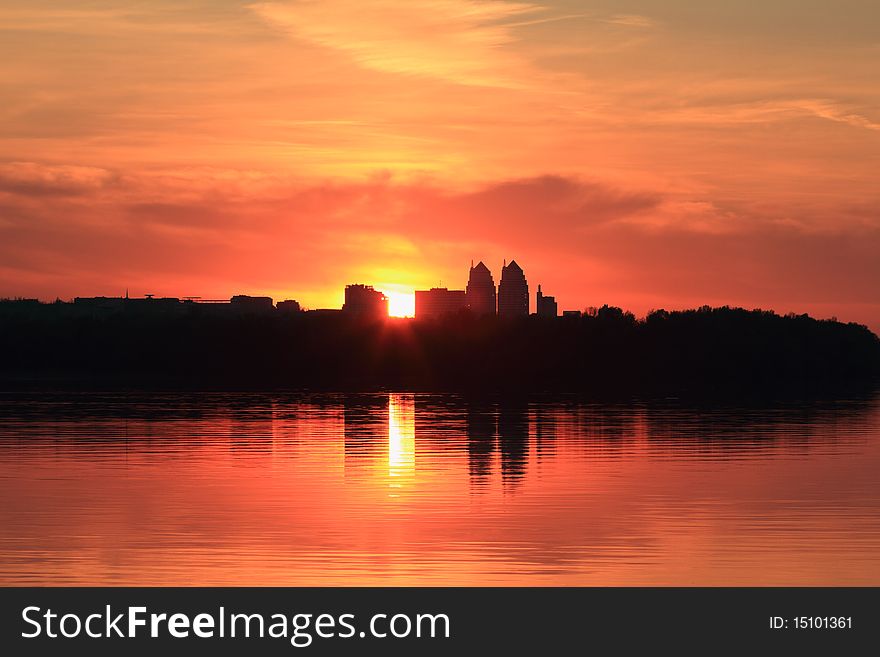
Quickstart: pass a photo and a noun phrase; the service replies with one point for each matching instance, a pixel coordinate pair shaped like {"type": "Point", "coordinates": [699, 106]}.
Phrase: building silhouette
{"type": "Point", "coordinates": [364, 300]}
{"type": "Point", "coordinates": [480, 294]}
{"type": "Point", "coordinates": [100, 304]}
{"type": "Point", "coordinates": [245, 304]}
{"type": "Point", "coordinates": [439, 301]}
{"type": "Point", "coordinates": [147, 305]}
{"type": "Point", "coordinates": [513, 291]}
{"type": "Point", "coordinates": [288, 306]}
{"type": "Point", "coordinates": [545, 306]}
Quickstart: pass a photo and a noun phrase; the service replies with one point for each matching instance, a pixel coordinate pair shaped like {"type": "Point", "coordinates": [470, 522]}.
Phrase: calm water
{"type": "Point", "coordinates": [433, 489]}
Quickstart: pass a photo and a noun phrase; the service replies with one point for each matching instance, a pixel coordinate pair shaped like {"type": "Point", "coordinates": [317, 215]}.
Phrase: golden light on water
{"type": "Point", "coordinates": [401, 437]}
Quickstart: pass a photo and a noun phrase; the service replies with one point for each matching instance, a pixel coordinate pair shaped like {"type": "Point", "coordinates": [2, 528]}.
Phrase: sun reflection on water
{"type": "Point", "coordinates": [401, 438]}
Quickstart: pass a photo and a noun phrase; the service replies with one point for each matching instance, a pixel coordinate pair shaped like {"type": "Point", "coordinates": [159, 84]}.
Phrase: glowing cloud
{"type": "Point", "coordinates": [459, 40]}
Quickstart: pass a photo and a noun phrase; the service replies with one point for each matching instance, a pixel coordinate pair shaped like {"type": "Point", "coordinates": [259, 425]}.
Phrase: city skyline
{"type": "Point", "coordinates": [480, 297]}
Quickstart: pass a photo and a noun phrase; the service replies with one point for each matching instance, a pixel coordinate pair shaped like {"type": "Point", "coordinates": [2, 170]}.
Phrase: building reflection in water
{"type": "Point", "coordinates": [513, 438]}
{"type": "Point", "coordinates": [365, 430]}
{"type": "Point", "coordinates": [481, 425]}
{"type": "Point", "coordinates": [251, 427]}
{"type": "Point", "coordinates": [545, 421]}
{"type": "Point", "coordinates": [380, 437]}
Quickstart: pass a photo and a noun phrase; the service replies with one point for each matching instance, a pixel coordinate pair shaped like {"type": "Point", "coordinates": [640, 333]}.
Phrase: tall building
{"type": "Point", "coordinates": [513, 291]}
{"type": "Point", "coordinates": [364, 300]}
{"type": "Point", "coordinates": [439, 301]}
{"type": "Point", "coordinates": [545, 306]}
{"type": "Point", "coordinates": [480, 292]}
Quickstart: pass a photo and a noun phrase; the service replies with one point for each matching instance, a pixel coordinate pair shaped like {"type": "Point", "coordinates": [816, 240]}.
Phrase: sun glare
{"type": "Point", "coordinates": [400, 304]}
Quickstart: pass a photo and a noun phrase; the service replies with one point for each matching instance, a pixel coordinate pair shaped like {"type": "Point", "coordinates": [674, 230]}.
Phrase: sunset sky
{"type": "Point", "coordinates": [641, 153]}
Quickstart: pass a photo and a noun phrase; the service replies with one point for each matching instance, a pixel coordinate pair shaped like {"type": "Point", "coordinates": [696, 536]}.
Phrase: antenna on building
{"type": "Point", "coordinates": [505, 262]}
{"type": "Point", "coordinates": [472, 263]}
{"type": "Point", "coordinates": [126, 293]}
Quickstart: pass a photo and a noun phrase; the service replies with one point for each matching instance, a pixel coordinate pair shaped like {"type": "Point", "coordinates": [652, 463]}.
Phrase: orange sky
{"type": "Point", "coordinates": [642, 153]}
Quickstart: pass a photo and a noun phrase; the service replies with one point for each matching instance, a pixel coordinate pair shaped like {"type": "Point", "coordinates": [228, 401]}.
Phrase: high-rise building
{"type": "Point", "coordinates": [513, 291]}
{"type": "Point", "coordinates": [364, 300]}
{"type": "Point", "coordinates": [481, 290]}
{"type": "Point", "coordinates": [439, 301]}
{"type": "Point", "coordinates": [545, 306]}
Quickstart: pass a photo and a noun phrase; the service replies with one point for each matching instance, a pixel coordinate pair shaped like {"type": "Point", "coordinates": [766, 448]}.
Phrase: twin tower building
{"type": "Point", "coordinates": [480, 297]}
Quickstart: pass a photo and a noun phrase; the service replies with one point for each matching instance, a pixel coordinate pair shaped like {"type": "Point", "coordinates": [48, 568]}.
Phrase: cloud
{"type": "Point", "coordinates": [706, 112]}
{"type": "Point", "coordinates": [459, 40]}
{"type": "Point", "coordinates": [33, 180]}
{"type": "Point", "coordinates": [834, 111]}
{"type": "Point", "coordinates": [632, 20]}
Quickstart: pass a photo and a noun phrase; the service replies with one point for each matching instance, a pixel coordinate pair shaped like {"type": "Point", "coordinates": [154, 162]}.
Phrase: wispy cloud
{"type": "Point", "coordinates": [833, 111]}
{"type": "Point", "coordinates": [737, 111]}
{"type": "Point", "coordinates": [459, 40]}
{"type": "Point", "coordinates": [31, 179]}
{"type": "Point", "coordinates": [632, 20]}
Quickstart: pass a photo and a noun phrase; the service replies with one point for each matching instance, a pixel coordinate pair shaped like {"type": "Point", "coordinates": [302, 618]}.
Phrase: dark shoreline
{"type": "Point", "coordinates": [724, 352]}
{"type": "Point", "coordinates": [76, 382]}
{"type": "Point", "coordinates": [782, 392]}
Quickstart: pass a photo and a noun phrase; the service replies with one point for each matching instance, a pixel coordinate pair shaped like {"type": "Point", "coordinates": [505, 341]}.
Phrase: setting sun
{"type": "Point", "coordinates": [400, 304]}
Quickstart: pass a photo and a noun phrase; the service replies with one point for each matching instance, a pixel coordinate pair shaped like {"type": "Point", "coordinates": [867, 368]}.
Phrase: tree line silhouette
{"type": "Point", "coordinates": [605, 349]}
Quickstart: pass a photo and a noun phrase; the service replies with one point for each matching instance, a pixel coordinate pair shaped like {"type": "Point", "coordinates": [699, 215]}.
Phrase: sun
{"type": "Point", "coordinates": [400, 304]}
